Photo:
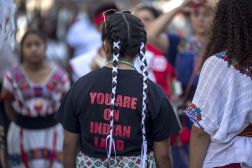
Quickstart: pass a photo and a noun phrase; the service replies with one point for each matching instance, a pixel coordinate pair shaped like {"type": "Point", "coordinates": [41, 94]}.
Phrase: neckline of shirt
{"type": "Point", "coordinates": [121, 70]}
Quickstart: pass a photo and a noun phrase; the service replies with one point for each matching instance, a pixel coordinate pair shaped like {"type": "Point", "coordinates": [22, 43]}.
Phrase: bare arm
{"type": "Point", "coordinates": [199, 142]}
{"type": "Point", "coordinates": [70, 145]}
{"type": "Point", "coordinates": [162, 153]}
{"type": "Point", "coordinates": [155, 33]}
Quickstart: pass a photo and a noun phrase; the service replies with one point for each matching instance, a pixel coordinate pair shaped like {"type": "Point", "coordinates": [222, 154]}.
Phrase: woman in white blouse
{"type": "Point", "coordinates": [222, 105]}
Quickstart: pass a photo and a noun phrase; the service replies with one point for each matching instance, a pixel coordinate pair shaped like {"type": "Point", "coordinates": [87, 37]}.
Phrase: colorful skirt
{"type": "Point", "coordinates": [84, 161]}
{"type": "Point", "coordinates": [35, 148]}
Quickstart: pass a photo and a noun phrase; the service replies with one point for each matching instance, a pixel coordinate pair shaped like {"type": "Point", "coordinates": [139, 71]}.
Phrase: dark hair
{"type": "Point", "coordinates": [154, 11]}
{"type": "Point", "coordinates": [29, 32]}
{"type": "Point", "coordinates": [127, 37]}
{"type": "Point", "coordinates": [43, 25]}
{"type": "Point", "coordinates": [127, 29]}
{"type": "Point", "coordinates": [232, 31]}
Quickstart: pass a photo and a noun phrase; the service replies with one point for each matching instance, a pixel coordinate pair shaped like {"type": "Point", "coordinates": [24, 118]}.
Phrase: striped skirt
{"type": "Point", "coordinates": [35, 148]}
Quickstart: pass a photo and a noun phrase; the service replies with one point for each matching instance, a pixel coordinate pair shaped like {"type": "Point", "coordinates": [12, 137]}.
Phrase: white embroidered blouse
{"type": "Point", "coordinates": [222, 106]}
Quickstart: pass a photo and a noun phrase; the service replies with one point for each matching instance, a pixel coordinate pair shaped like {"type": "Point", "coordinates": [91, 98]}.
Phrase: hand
{"type": "Point", "coordinates": [188, 4]}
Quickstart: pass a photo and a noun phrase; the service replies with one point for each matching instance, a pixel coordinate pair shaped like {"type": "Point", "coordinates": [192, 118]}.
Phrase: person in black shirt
{"type": "Point", "coordinates": [123, 122]}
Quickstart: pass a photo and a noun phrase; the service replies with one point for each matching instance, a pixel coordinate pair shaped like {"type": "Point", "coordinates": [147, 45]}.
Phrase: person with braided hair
{"type": "Point", "coordinates": [222, 105]}
{"type": "Point", "coordinates": [124, 122]}
{"type": "Point", "coordinates": [161, 68]}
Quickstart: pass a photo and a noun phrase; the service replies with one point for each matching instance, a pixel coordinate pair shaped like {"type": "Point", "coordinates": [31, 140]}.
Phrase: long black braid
{"type": "Point", "coordinates": [116, 29]}
{"type": "Point", "coordinates": [127, 36]}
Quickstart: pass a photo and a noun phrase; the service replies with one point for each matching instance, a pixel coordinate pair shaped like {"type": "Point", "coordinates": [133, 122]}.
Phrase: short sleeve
{"type": "Point", "coordinates": [217, 103]}
{"type": "Point", "coordinates": [165, 124]}
{"type": "Point", "coordinates": [67, 115]}
{"type": "Point", "coordinates": [203, 111]}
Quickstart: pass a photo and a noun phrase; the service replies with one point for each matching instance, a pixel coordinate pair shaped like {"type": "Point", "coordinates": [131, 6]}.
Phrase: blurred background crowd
{"type": "Point", "coordinates": [176, 39]}
{"type": "Point", "coordinates": [67, 22]}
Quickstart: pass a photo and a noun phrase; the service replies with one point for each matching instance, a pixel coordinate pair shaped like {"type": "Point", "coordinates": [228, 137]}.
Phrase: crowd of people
{"type": "Point", "coordinates": [118, 88]}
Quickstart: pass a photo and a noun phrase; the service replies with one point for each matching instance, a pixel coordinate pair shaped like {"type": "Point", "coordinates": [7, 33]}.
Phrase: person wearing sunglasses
{"type": "Point", "coordinates": [121, 118]}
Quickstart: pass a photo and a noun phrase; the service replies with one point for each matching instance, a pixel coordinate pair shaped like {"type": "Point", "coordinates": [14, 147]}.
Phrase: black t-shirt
{"type": "Point", "coordinates": [86, 110]}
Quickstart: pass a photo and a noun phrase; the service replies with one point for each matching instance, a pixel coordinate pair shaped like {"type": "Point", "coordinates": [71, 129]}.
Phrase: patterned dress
{"type": "Point", "coordinates": [35, 139]}
{"type": "Point", "coordinates": [84, 161]}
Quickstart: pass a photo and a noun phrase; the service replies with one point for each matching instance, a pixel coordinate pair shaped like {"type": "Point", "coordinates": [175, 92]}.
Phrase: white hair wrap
{"type": "Point", "coordinates": [7, 24]}
{"type": "Point", "coordinates": [110, 139]}
{"type": "Point", "coordinates": [144, 105]}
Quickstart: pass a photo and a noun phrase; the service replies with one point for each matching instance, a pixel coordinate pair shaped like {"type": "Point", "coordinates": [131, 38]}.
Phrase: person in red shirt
{"type": "Point", "coordinates": [163, 71]}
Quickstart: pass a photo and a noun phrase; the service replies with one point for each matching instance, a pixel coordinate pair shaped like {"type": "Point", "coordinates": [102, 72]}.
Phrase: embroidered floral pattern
{"type": "Point", "coordinates": [243, 70]}
{"type": "Point", "coordinates": [32, 99]}
{"type": "Point", "coordinates": [36, 154]}
{"type": "Point", "coordinates": [194, 113]}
